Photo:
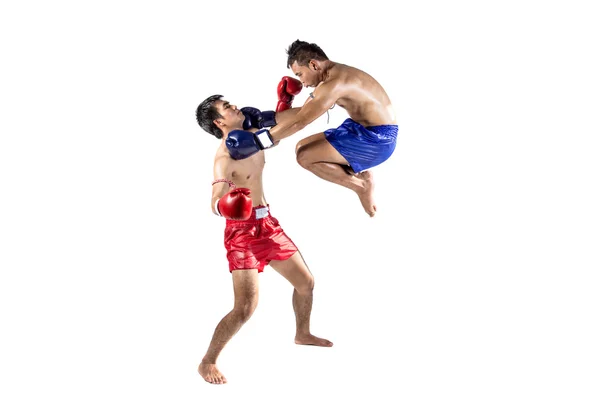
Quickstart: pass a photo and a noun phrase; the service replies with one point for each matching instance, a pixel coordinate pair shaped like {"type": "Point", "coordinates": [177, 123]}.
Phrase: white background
{"type": "Point", "coordinates": [477, 279]}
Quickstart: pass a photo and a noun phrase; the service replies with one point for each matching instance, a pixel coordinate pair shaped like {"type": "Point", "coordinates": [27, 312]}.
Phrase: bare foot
{"type": "Point", "coordinates": [211, 374]}
{"type": "Point", "coordinates": [366, 195]}
{"type": "Point", "coordinates": [312, 340]}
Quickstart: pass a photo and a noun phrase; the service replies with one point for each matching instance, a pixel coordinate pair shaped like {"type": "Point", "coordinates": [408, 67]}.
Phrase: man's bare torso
{"type": "Point", "coordinates": [361, 96]}
{"type": "Point", "coordinates": [245, 173]}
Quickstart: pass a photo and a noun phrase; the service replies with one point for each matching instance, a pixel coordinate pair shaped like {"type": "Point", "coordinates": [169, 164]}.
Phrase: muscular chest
{"type": "Point", "coordinates": [249, 168]}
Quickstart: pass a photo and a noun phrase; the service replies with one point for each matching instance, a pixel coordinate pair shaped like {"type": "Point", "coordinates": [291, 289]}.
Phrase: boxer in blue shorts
{"type": "Point", "coordinates": [343, 155]}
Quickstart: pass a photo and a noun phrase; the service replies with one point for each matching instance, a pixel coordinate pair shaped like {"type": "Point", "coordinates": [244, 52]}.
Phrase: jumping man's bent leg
{"type": "Point", "coordinates": [317, 155]}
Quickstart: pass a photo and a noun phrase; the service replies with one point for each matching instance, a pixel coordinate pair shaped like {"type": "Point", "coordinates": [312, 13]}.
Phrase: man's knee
{"type": "Point", "coordinates": [306, 286]}
{"type": "Point", "coordinates": [245, 310]}
{"type": "Point", "coordinates": [299, 145]}
{"type": "Point", "coordinates": [303, 155]}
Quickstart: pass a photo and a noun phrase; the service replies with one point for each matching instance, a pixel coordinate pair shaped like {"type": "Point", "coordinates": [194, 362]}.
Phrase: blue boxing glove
{"type": "Point", "coordinates": [243, 144]}
{"type": "Point", "coordinates": [258, 119]}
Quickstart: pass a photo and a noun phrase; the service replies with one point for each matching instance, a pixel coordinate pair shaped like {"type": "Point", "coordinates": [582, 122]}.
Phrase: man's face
{"type": "Point", "coordinates": [306, 73]}
{"type": "Point", "coordinates": [231, 116]}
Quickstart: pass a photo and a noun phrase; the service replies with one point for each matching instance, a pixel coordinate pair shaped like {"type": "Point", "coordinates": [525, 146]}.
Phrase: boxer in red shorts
{"type": "Point", "coordinates": [253, 238]}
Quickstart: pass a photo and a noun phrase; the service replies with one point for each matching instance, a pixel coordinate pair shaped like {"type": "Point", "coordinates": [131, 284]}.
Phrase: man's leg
{"type": "Point", "coordinates": [245, 287]}
{"type": "Point", "coordinates": [317, 155]}
{"type": "Point", "coordinates": [294, 269]}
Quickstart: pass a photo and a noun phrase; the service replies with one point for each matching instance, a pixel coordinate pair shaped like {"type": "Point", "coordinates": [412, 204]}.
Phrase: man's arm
{"type": "Point", "coordinates": [221, 171]}
{"type": "Point", "coordinates": [325, 96]}
{"type": "Point", "coordinates": [227, 201]}
{"type": "Point", "coordinates": [287, 116]}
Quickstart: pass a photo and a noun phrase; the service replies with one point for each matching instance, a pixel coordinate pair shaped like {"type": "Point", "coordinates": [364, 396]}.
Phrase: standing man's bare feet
{"type": "Point", "coordinates": [309, 339]}
{"type": "Point", "coordinates": [366, 195]}
{"type": "Point", "coordinates": [211, 373]}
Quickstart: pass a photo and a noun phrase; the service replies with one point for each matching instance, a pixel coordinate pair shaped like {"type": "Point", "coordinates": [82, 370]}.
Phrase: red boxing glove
{"type": "Point", "coordinates": [286, 90]}
{"type": "Point", "coordinates": [236, 204]}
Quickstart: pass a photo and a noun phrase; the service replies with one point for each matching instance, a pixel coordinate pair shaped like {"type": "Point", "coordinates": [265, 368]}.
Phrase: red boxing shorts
{"type": "Point", "coordinates": [253, 243]}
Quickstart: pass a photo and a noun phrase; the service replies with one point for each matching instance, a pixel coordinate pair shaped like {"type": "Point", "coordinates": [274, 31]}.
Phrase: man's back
{"type": "Point", "coordinates": [361, 95]}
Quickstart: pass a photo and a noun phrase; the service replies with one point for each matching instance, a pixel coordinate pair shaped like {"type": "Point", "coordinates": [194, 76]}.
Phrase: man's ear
{"type": "Point", "coordinates": [218, 123]}
{"type": "Point", "coordinates": [312, 64]}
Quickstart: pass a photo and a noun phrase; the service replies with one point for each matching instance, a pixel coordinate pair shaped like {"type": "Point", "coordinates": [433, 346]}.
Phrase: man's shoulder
{"type": "Point", "coordinates": [222, 159]}
{"type": "Point", "coordinates": [222, 156]}
{"type": "Point", "coordinates": [344, 76]}
{"type": "Point", "coordinates": [344, 70]}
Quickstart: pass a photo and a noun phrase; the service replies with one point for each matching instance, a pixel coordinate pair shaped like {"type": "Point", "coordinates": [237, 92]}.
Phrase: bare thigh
{"type": "Point", "coordinates": [316, 148]}
{"type": "Point", "coordinates": [295, 270]}
{"type": "Point", "coordinates": [309, 139]}
{"type": "Point", "coordinates": [245, 288]}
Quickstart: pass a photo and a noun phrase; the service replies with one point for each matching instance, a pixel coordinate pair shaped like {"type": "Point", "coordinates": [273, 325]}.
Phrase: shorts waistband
{"type": "Point", "coordinates": [258, 212]}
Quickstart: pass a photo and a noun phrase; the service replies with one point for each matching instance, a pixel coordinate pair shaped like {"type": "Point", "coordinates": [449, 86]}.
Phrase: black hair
{"type": "Point", "coordinates": [302, 52]}
{"type": "Point", "coordinates": [206, 113]}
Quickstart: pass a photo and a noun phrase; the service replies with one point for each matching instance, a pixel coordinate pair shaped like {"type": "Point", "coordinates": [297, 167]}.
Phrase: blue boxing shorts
{"type": "Point", "coordinates": [363, 147]}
